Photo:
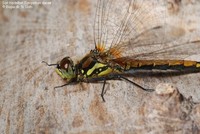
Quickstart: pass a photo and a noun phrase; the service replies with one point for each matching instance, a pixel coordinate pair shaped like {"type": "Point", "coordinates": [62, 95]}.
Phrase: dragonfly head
{"type": "Point", "coordinates": [65, 69]}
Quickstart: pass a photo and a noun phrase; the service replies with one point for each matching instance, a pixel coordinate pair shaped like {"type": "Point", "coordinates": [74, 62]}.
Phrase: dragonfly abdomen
{"type": "Point", "coordinates": [162, 65]}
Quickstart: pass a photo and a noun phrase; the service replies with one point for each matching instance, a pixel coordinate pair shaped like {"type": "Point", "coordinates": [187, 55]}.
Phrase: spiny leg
{"type": "Point", "coordinates": [145, 89]}
{"type": "Point", "coordinates": [50, 64]}
{"type": "Point", "coordinates": [103, 92]}
{"type": "Point", "coordinates": [61, 86]}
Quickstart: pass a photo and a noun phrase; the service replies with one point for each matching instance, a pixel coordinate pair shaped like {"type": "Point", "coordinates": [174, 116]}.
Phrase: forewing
{"type": "Point", "coordinates": [109, 20]}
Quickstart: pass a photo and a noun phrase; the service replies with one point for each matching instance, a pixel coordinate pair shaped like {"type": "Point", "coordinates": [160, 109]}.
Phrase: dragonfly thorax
{"type": "Point", "coordinates": [90, 67]}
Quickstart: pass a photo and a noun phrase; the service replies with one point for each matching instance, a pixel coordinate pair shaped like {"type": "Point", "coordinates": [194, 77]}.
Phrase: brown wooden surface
{"type": "Point", "coordinates": [29, 103]}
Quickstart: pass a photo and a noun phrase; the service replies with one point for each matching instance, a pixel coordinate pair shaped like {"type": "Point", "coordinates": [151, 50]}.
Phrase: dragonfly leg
{"type": "Point", "coordinates": [103, 90]}
{"type": "Point", "coordinates": [61, 86]}
{"type": "Point", "coordinates": [145, 89]}
{"type": "Point", "coordinates": [49, 64]}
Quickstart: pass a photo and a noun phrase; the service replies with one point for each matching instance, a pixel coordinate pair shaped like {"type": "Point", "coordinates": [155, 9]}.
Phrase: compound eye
{"type": "Point", "coordinates": [65, 62]}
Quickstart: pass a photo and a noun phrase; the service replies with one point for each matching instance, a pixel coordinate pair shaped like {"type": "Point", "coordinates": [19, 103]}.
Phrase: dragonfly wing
{"type": "Point", "coordinates": [118, 21]}
{"type": "Point", "coordinates": [151, 40]}
{"type": "Point", "coordinates": [183, 51]}
{"type": "Point", "coordinates": [180, 48]}
{"type": "Point", "coordinates": [141, 30]}
{"type": "Point", "coordinates": [105, 23]}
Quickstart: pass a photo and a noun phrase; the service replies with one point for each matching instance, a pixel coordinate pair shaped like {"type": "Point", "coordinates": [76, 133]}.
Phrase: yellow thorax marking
{"type": "Point", "coordinates": [107, 71]}
{"type": "Point", "coordinates": [97, 65]}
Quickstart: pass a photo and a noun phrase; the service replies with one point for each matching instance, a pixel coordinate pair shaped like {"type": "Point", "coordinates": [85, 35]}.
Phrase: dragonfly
{"type": "Point", "coordinates": [130, 39]}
